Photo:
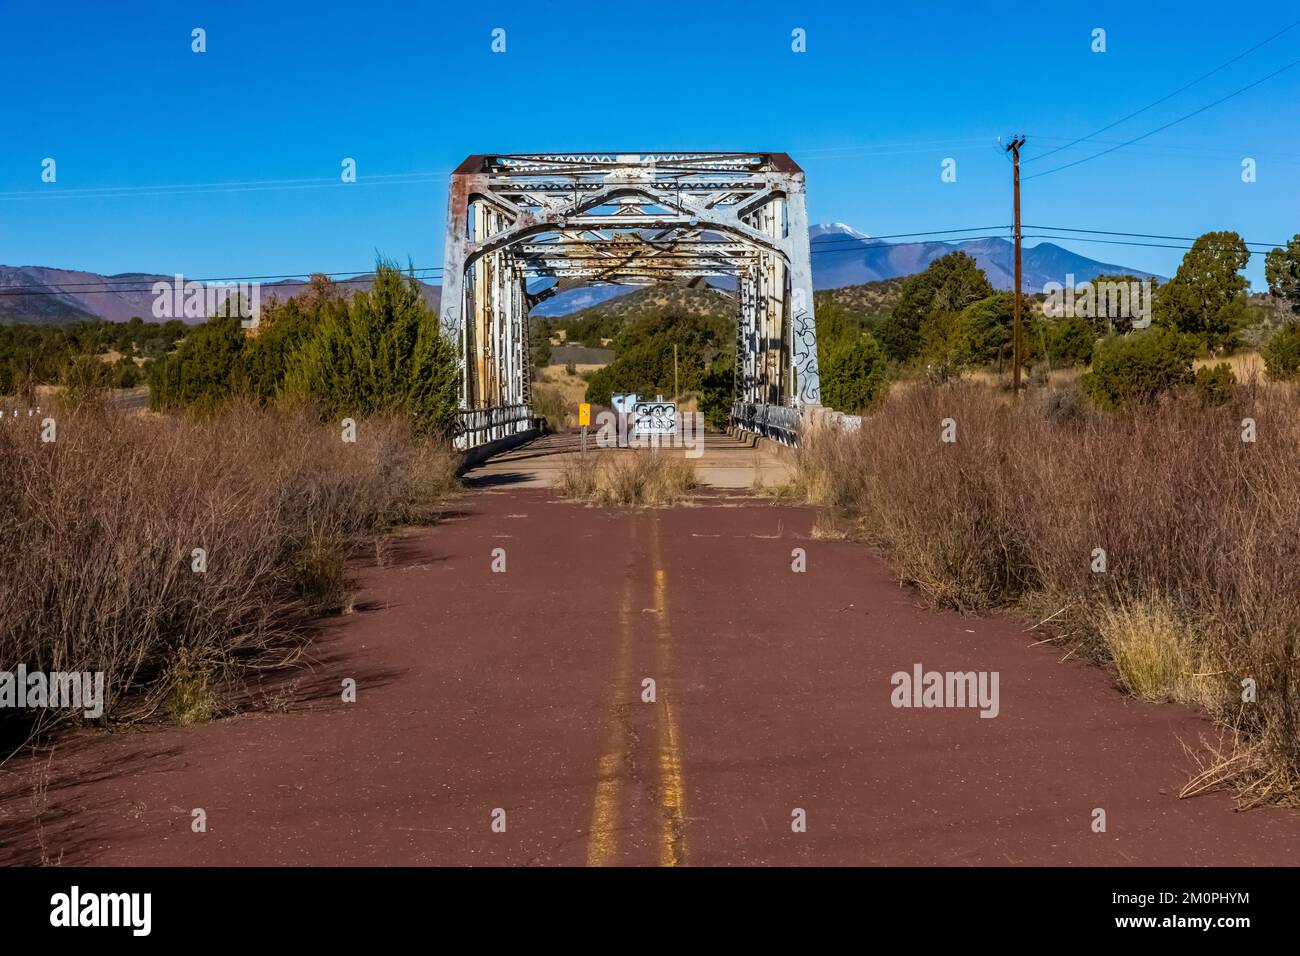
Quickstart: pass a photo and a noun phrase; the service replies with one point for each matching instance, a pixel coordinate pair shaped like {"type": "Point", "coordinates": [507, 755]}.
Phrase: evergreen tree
{"type": "Point", "coordinates": [949, 284]}
{"type": "Point", "coordinates": [1206, 298]}
{"type": "Point", "coordinates": [381, 353]}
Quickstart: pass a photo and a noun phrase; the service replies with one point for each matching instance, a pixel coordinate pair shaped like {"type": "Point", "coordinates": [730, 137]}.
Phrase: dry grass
{"type": "Point", "coordinates": [1055, 378]}
{"type": "Point", "coordinates": [549, 402]}
{"type": "Point", "coordinates": [1154, 653]}
{"type": "Point", "coordinates": [577, 477]}
{"type": "Point", "coordinates": [1244, 365]}
{"type": "Point", "coordinates": [1201, 532]}
{"type": "Point", "coordinates": [628, 478]}
{"type": "Point", "coordinates": [98, 532]}
{"type": "Point", "coordinates": [571, 385]}
{"type": "Point", "coordinates": [558, 392]}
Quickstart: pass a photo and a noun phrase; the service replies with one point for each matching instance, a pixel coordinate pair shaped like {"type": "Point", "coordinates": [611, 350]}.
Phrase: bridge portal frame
{"type": "Point", "coordinates": [629, 218]}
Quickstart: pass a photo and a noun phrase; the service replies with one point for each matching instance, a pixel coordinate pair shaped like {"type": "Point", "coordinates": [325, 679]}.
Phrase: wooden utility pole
{"type": "Point", "coordinates": [1014, 148]}
{"type": "Point", "coordinates": [676, 391]}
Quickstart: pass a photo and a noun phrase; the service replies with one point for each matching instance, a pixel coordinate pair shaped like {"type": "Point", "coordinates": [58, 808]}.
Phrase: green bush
{"type": "Point", "coordinates": [1070, 341]}
{"type": "Point", "coordinates": [949, 284]}
{"type": "Point", "coordinates": [1282, 270]}
{"type": "Point", "coordinates": [988, 323]}
{"type": "Point", "coordinates": [383, 353]}
{"type": "Point", "coordinates": [207, 369]}
{"type": "Point", "coordinates": [837, 328]}
{"type": "Point", "coordinates": [946, 345]}
{"type": "Point", "coordinates": [718, 392]}
{"type": "Point", "coordinates": [1215, 385]}
{"type": "Point", "coordinates": [281, 332]}
{"type": "Point", "coordinates": [126, 374]}
{"type": "Point", "coordinates": [643, 356]}
{"type": "Point", "coordinates": [539, 342]}
{"type": "Point", "coordinates": [601, 385]}
{"type": "Point", "coordinates": [549, 403]}
{"type": "Point", "coordinates": [1282, 353]}
{"type": "Point", "coordinates": [1206, 298]}
{"type": "Point", "coordinates": [901, 341]}
{"type": "Point", "coordinates": [1139, 368]}
{"type": "Point", "coordinates": [855, 377]}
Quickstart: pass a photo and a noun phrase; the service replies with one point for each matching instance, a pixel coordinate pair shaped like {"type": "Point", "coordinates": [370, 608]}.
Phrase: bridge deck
{"type": "Point", "coordinates": [727, 462]}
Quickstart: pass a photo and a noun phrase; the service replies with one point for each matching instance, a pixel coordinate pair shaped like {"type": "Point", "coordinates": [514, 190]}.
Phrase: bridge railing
{"type": "Point", "coordinates": [478, 426]}
{"type": "Point", "coordinates": [777, 422]}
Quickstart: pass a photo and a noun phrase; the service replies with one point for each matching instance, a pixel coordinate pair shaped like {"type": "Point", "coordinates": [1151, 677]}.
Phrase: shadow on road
{"type": "Point", "coordinates": [496, 480]}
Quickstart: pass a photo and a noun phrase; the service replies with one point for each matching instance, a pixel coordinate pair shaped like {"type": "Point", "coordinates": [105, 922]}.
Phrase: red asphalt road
{"type": "Point", "coordinates": [523, 691]}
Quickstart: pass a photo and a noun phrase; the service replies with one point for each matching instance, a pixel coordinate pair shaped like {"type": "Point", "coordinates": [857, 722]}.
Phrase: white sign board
{"type": "Point", "coordinates": [654, 418]}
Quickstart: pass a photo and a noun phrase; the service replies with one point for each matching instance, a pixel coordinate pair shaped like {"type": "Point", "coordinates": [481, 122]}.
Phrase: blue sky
{"type": "Point", "coordinates": [884, 93]}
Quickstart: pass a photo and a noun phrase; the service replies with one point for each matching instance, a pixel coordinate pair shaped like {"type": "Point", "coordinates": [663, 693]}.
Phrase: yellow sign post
{"type": "Point", "coordinates": [584, 419]}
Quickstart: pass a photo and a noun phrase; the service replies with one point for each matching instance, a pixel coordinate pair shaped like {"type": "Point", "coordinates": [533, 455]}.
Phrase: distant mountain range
{"type": "Point", "coordinates": [575, 300]}
{"type": "Point", "coordinates": [842, 256]}
{"type": "Point", "coordinates": [61, 295]}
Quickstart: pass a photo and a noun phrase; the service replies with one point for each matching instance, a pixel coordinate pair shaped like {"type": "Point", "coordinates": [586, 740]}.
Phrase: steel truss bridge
{"type": "Point", "coordinates": [522, 228]}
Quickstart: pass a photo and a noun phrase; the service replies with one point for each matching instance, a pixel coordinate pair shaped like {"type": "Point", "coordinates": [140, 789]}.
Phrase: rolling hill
{"type": "Point", "coordinates": [842, 257]}
{"type": "Point", "coordinates": [39, 295]}
{"type": "Point", "coordinates": [868, 301]}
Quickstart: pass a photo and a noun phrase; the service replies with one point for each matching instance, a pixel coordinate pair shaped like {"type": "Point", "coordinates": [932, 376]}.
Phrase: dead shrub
{"type": "Point", "coordinates": [171, 554]}
{"type": "Point", "coordinates": [577, 477]}
{"type": "Point", "coordinates": [1169, 544]}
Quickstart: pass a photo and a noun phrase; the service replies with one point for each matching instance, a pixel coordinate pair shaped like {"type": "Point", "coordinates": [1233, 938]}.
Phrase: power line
{"type": "Point", "coordinates": [265, 185]}
{"type": "Point", "coordinates": [1116, 242]}
{"type": "Point", "coordinates": [816, 150]}
{"type": "Point", "coordinates": [1188, 86]}
{"type": "Point", "coordinates": [832, 240]}
{"type": "Point", "coordinates": [197, 189]}
{"type": "Point", "coordinates": [1144, 235]}
{"type": "Point", "coordinates": [418, 176]}
{"type": "Point", "coordinates": [840, 252]}
{"type": "Point", "coordinates": [1157, 149]}
{"type": "Point", "coordinates": [72, 288]}
{"type": "Point", "coordinates": [1159, 129]}
{"type": "Point", "coordinates": [428, 272]}
{"type": "Point", "coordinates": [108, 280]}
{"type": "Point", "coordinates": [359, 275]}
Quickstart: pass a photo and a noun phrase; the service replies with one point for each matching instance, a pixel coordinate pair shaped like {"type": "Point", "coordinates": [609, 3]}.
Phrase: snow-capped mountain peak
{"type": "Point", "coordinates": [835, 229]}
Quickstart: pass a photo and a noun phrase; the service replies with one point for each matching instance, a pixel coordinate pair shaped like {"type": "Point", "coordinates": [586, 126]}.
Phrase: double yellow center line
{"type": "Point", "coordinates": [614, 768]}
{"type": "Point", "coordinates": [672, 837]}
{"type": "Point", "coordinates": [601, 842]}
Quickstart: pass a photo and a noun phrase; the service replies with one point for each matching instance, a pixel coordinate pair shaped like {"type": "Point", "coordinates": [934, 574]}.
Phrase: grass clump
{"type": "Point", "coordinates": [631, 478]}
{"type": "Point", "coordinates": [1154, 653]}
